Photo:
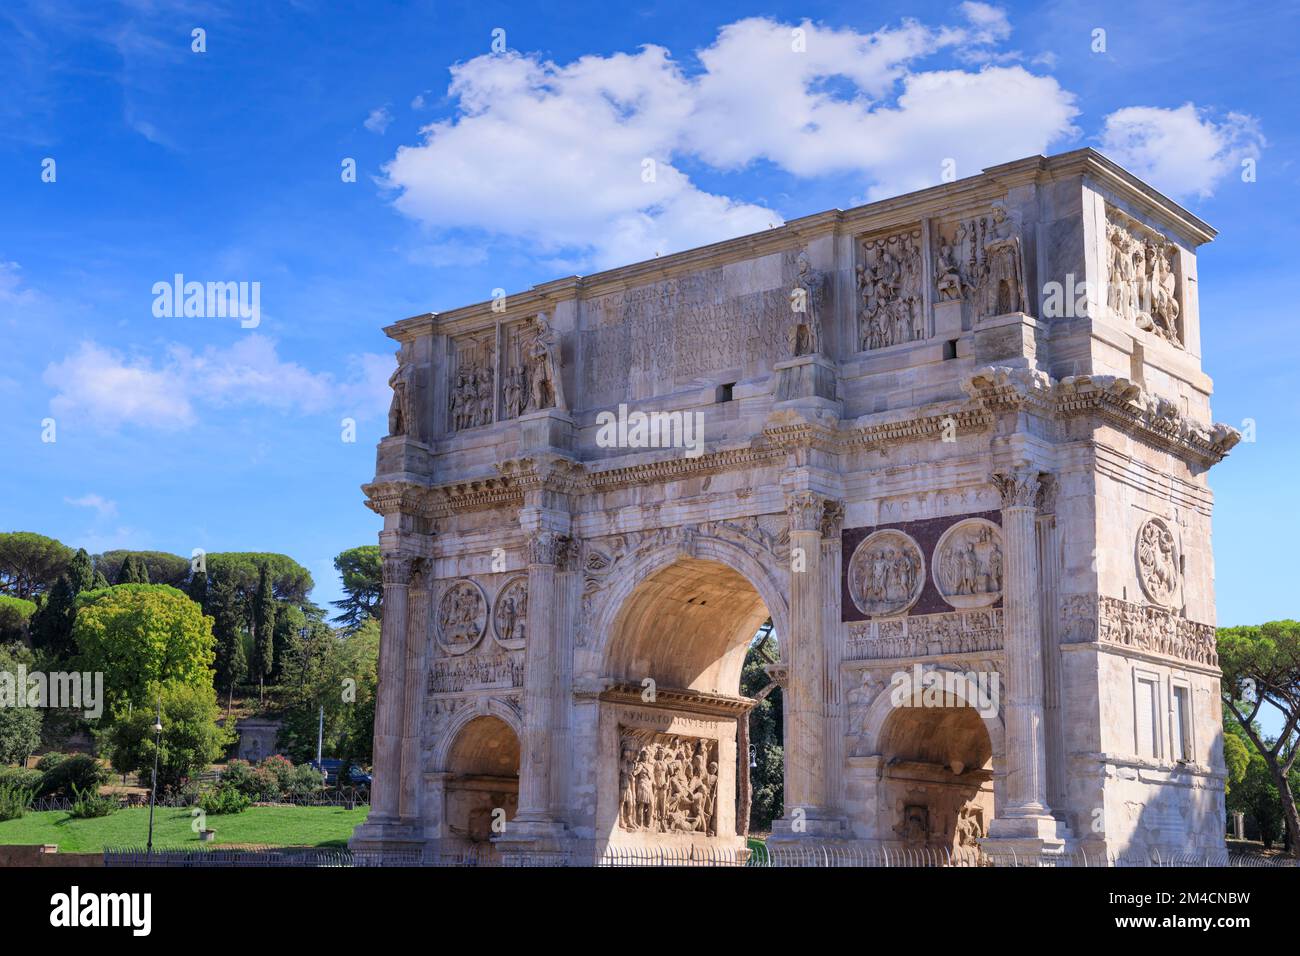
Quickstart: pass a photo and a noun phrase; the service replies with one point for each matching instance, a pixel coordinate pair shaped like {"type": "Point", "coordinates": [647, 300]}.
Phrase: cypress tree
{"type": "Point", "coordinates": [231, 663]}
{"type": "Point", "coordinates": [100, 581]}
{"type": "Point", "coordinates": [51, 625]}
{"type": "Point", "coordinates": [197, 589]}
{"type": "Point", "coordinates": [263, 630]}
{"type": "Point", "coordinates": [133, 571]}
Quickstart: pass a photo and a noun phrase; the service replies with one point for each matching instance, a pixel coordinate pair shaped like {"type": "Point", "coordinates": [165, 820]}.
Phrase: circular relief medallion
{"type": "Point", "coordinates": [886, 573]}
{"type": "Point", "coordinates": [967, 564]}
{"type": "Point", "coordinates": [510, 615]}
{"type": "Point", "coordinates": [1157, 561]}
{"type": "Point", "coordinates": [462, 616]}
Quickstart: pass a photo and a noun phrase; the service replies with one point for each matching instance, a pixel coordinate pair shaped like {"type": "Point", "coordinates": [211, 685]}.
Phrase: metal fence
{"type": "Point", "coordinates": [775, 857]}
{"type": "Point", "coordinates": [184, 801]}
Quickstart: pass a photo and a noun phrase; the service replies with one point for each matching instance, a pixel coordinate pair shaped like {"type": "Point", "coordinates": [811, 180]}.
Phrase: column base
{"type": "Point", "coordinates": [1027, 836]}
{"type": "Point", "coordinates": [815, 823]}
{"type": "Point", "coordinates": [535, 841]}
{"type": "Point", "coordinates": [389, 839]}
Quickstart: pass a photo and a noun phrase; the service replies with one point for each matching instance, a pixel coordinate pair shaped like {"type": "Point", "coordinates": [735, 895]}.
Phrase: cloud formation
{"type": "Point", "coordinates": [1183, 151]}
{"type": "Point", "coordinates": [589, 156]}
{"type": "Point", "coordinates": [108, 390]}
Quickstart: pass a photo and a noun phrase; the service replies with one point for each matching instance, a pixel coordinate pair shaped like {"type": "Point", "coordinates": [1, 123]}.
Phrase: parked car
{"type": "Point", "coordinates": [331, 767]}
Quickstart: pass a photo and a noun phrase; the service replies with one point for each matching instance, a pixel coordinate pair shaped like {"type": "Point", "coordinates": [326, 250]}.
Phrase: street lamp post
{"type": "Point", "coordinates": [153, 791]}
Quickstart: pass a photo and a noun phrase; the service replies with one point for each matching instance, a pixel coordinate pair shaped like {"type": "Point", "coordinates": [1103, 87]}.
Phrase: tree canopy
{"type": "Point", "coordinates": [191, 738]}
{"type": "Point", "coordinates": [1261, 665]}
{"type": "Point", "coordinates": [290, 581]}
{"type": "Point", "coordinates": [161, 566]}
{"type": "Point", "coordinates": [363, 584]}
{"type": "Point", "coordinates": [142, 635]}
{"type": "Point", "coordinates": [15, 614]}
{"type": "Point", "coordinates": [31, 563]}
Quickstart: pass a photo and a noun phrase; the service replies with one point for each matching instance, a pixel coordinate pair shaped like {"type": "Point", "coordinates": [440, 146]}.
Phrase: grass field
{"type": "Point", "coordinates": [270, 826]}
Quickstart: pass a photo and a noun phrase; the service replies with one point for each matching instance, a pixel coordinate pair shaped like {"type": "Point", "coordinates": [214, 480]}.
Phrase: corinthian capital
{"type": "Point", "coordinates": [805, 509]}
{"type": "Point", "coordinates": [1019, 489]}
{"type": "Point", "coordinates": [833, 519]}
{"type": "Point", "coordinates": [548, 547]}
{"type": "Point", "coordinates": [397, 570]}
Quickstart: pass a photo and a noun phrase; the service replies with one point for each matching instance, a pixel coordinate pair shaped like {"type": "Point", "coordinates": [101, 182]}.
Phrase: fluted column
{"type": "Point", "coordinates": [1024, 815]}
{"type": "Point", "coordinates": [833, 725]}
{"type": "Point", "coordinates": [391, 694]}
{"type": "Point", "coordinates": [804, 694]}
{"type": "Point", "coordinates": [536, 763]}
{"type": "Point", "coordinates": [417, 632]}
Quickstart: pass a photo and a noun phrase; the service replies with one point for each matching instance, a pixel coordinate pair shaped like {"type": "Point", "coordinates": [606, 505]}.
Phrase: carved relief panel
{"type": "Point", "coordinates": [886, 573]}
{"type": "Point", "coordinates": [1157, 562]}
{"type": "Point", "coordinates": [510, 614]}
{"type": "Point", "coordinates": [462, 616]}
{"type": "Point", "coordinates": [891, 303]}
{"type": "Point", "coordinates": [1141, 277]}
{"type": "Point", "coordinates": [667, 783]}
{"type": "Point", "coordinates": [967, 564]}
{"type": "Point", "coordinates": [980, 260]}
{"type": "Point", "coordinates": [472, 401]}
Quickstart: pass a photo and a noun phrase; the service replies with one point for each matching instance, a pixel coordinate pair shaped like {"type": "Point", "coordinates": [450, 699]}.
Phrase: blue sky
{"type": "Point", "coordinates": [479, 169]}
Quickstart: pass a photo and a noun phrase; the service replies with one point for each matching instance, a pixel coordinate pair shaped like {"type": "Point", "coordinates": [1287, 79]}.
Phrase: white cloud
{"type": "Point", "coordinates": [419, 102]}
{"type": "Point", "coordinates": [12, 289]}
{"type": "Point", "coordinates": [108, 389]}
{"type": "Point", "coordinates": [1182, 151]}
{"type": "Point", "coordinates": [378, 120]}
{"type": "Point", "coordinates": [105, 506]}
{"type": "Point", "coordinates": [552, 155]}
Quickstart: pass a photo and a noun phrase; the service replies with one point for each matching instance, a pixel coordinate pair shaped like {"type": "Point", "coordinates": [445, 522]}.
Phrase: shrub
{"type": "Point", "coordinates": [89, 804]}
{"type": "Point", "coordinates": [14, 801]}
{"type": "Point", "coordinates": [50, 760]}
{"type": "Point", "coordinates": [20, 777]}
{"type": "Point", "coordinates": [224, 800]}
{"type": "Point", "coordinates": [78, 772]}
{"type": "Point", "coordinates": [304, 781]}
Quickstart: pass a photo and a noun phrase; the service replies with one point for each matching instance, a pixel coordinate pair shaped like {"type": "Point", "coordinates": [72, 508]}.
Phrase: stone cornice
{"type": "Point", "coordinates": [676, 698]}
{"type": "Point", "coordinates": [385, 497]}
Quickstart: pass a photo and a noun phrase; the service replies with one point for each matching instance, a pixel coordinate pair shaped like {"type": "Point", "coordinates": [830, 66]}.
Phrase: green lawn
{"type": "Point", "coordinates": [270, 826]}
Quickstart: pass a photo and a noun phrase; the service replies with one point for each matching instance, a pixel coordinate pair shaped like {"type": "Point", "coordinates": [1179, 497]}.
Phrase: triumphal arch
{"type": "Point", "coordinates": [953, 444]}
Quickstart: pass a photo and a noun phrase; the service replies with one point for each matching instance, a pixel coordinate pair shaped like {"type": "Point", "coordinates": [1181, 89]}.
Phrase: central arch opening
{"type": "Point", "coordinates": [670, 753]}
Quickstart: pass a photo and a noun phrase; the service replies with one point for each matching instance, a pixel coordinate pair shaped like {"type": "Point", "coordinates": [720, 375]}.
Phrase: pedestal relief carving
{"type": "Point", "coordinates": [1140, 275]}
{"type": "Point", "coordinates": [510, 615]}
{"type": "Point", "coordinates": [462, 616]}
{"type": "Point", "coordinates": [1157, 561]}
{"type": "Point", "coordinates": [968, 564]}
{"type": "Point", "coordinates": [886, 573]}
{"type": "Point", "coordinates": [890, 302]}
{"type": "Point", "coordinates": [667, 783]}
{"type": "Point", "coordinates": [805, 335]}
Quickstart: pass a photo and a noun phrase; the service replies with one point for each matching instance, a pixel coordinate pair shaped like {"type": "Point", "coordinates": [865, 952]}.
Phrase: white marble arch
{"type": "Point", "coordinates": [768, 580]}
{"type": "Point", "coordinates": [480, 707]}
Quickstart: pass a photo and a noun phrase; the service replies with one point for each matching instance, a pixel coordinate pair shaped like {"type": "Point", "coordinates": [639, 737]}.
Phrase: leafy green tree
{"type": "Point", "coordinates": [141, 635]}
{"type": "Point", "coordinates": [1236, 757]}
{"type": "Point", "coordinates": [15, 618]}
{"type": "Point", "coordinates": [339, 671]}
{"type": "Point", "coordinates": [99, 582]}
{"type": "Point", "coordinates": [363, 585]}
{"type": "Point", "coordinates": [132, 571]}
{"type": "Point", "coordinates": [20, 727]}
{"type": "Point", "coordinates": [161, 567]}
{"type": "Point", "coordinates": [191, 738]}
{"type": "Point", "coordinates": [1262, 665]}
{"type": "Point", "coordinates": [767, 778]}
{"type": "Point", "coordinates": [289, 623]}
{"type": "Point", "coordinates": [30, 563]}
{"type": "Point", "coordinates": [263, 631]}
{"type": "Point", "coordinates": [51, 625]}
